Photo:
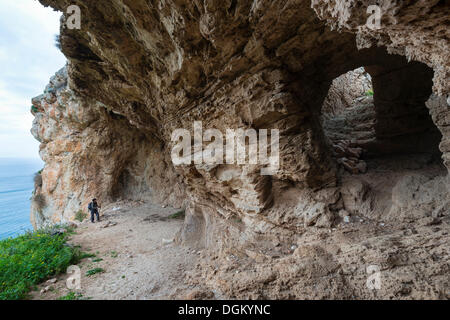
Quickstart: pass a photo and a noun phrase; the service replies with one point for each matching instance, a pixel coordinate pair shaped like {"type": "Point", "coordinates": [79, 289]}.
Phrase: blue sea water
{"type": "Point", "coordinates": [16, 187]}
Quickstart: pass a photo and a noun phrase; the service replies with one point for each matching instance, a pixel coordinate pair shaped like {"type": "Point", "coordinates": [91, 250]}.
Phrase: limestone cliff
{"type": "Point", "coordinates": [90, 151]}
{"type": "Point", "coordinates": [137, 70]}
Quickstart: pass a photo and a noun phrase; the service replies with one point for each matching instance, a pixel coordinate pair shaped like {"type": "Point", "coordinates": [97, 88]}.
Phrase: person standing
{"type": "Point", "coordinates": [93, 208]}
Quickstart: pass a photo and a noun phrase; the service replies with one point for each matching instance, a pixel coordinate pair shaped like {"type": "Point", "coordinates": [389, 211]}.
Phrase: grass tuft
{"type": "Point", "coordinates": [71, 296]}
{"type": "Point", "coordinates": [177, 215]}
{"type": "Point", "coordinates": [94, 271]}
{"type": "Point", "coordinates": [79, 255]}
{"type": "Point", "coordinates": [80, 215]}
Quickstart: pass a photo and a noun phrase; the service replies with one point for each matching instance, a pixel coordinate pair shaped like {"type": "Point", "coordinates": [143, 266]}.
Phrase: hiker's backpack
{"type": "Point", "coordinates": [90, 206]}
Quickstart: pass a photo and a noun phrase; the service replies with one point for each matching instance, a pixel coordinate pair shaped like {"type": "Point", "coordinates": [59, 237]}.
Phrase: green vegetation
{"type": "Point", "coordinates": [114, 254]}
{"type": "Point", "coordinates": [97, 260]}
{"type": "Point", "coordinates": [94, 271]}
{"type": "Point", "coordinates": [80, 215]}
{"type": "Point", "coordinates": [237, 220]}
{"type": "Point", "coordinates": [369, 93]}
{"type": "Point", "coordinates": [71, 296]}
{"type": "Point", "coordinates": [83, 255]}
{"type": "Point", "coordinates": [177, 215]}
{"type": "Point", "coordinates": [71, 231]}
{"type": "Point", "coordinates": [32, 258]}
{"type": "Point", "coordinates": [34, 109]}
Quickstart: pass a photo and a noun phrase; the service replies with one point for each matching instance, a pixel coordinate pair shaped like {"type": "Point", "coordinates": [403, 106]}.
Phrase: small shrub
{"type": "Point", "coordinates": [80, 255]}
{"type": "Point", "coordinates": [114, 254]}
{"type": "Point", "coordinates": [70, 230]}
{"type": "Point", "coordinates": [94, 271]}
{"type": "Point", "coordinates": [369, 93]}
{"type": "Point", "coordinates": [177, 215]}
{"type": "Point", "coordinates": [34, 109]}
{"type": "Point", "coordinates": [87, 255]}
{"type": "Point", "coordinates": [80, 215]}
{"type": "Point", "coordinates": [37, 180]}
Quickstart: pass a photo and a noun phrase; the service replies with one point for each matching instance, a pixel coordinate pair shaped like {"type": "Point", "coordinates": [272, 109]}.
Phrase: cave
{"type": "Point", "coordinates": [348, 118]}
{"type": "Point", "coordinates": [376, 116]}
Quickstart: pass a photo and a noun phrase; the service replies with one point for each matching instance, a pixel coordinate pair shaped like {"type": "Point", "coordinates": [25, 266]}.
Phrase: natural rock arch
{"type": "Point", "coordinates": [403, 123]}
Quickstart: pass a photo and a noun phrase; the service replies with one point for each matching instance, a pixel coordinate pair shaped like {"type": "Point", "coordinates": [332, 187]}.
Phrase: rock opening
{"type": "Point", "coordinates": [376, 114]}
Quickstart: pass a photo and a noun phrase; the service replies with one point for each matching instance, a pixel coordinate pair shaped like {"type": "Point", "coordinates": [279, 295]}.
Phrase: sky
{"type": "Point", "coordinates": [28, 58]}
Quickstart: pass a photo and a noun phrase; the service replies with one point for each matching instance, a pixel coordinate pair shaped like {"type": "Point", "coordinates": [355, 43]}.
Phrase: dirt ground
{"type": "Point", "coordinates": [138, 254]}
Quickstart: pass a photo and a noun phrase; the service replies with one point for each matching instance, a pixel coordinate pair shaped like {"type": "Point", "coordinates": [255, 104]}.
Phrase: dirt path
{"type": "Point", "coordinates": [138, 263]}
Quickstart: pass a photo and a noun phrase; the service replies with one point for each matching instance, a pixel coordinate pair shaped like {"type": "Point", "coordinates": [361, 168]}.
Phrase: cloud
{"type": "Point", "coordinates": [28, 58]}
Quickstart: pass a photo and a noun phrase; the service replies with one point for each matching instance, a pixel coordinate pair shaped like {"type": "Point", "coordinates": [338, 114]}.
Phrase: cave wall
{"type": "Point", "coordinates": [89, 151]}
{"type": "Point", "coordinates": [403, 122]}
{"type": "Point", "coordinates": [161, 65]}
{"type": "Point", "coordinates": [347, 90]}
{"type": "Point", "coordinates": [439, 109]}
{"type": "Point", "coordinates": [417, 30]}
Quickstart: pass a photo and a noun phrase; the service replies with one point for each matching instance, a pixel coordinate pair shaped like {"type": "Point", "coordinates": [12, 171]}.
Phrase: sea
{"type": "Point", "coordinates": [16, 188]}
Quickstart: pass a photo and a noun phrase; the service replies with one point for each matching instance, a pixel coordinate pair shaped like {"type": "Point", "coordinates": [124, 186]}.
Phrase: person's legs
{"type": "Point", "coordinates": [98, 215]}
{"type": "Point", "coordinates": [92, 216]}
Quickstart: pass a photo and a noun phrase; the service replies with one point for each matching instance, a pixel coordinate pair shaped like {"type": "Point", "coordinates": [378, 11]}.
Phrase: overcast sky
{"type": "Point", "coordinates": [28, 58]}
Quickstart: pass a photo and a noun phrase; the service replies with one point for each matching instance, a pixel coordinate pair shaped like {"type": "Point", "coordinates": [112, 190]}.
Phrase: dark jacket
{"type": "Point", "coordinates": [93, 206]}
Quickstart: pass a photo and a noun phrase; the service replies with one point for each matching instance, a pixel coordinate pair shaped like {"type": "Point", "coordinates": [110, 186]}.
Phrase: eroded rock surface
{"type": "Point", "coordinates": [90, 152]}
{"type": "Point", "coordinates": [347, 90]}
{"type": "Point", "coordinates": [138, 70]}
